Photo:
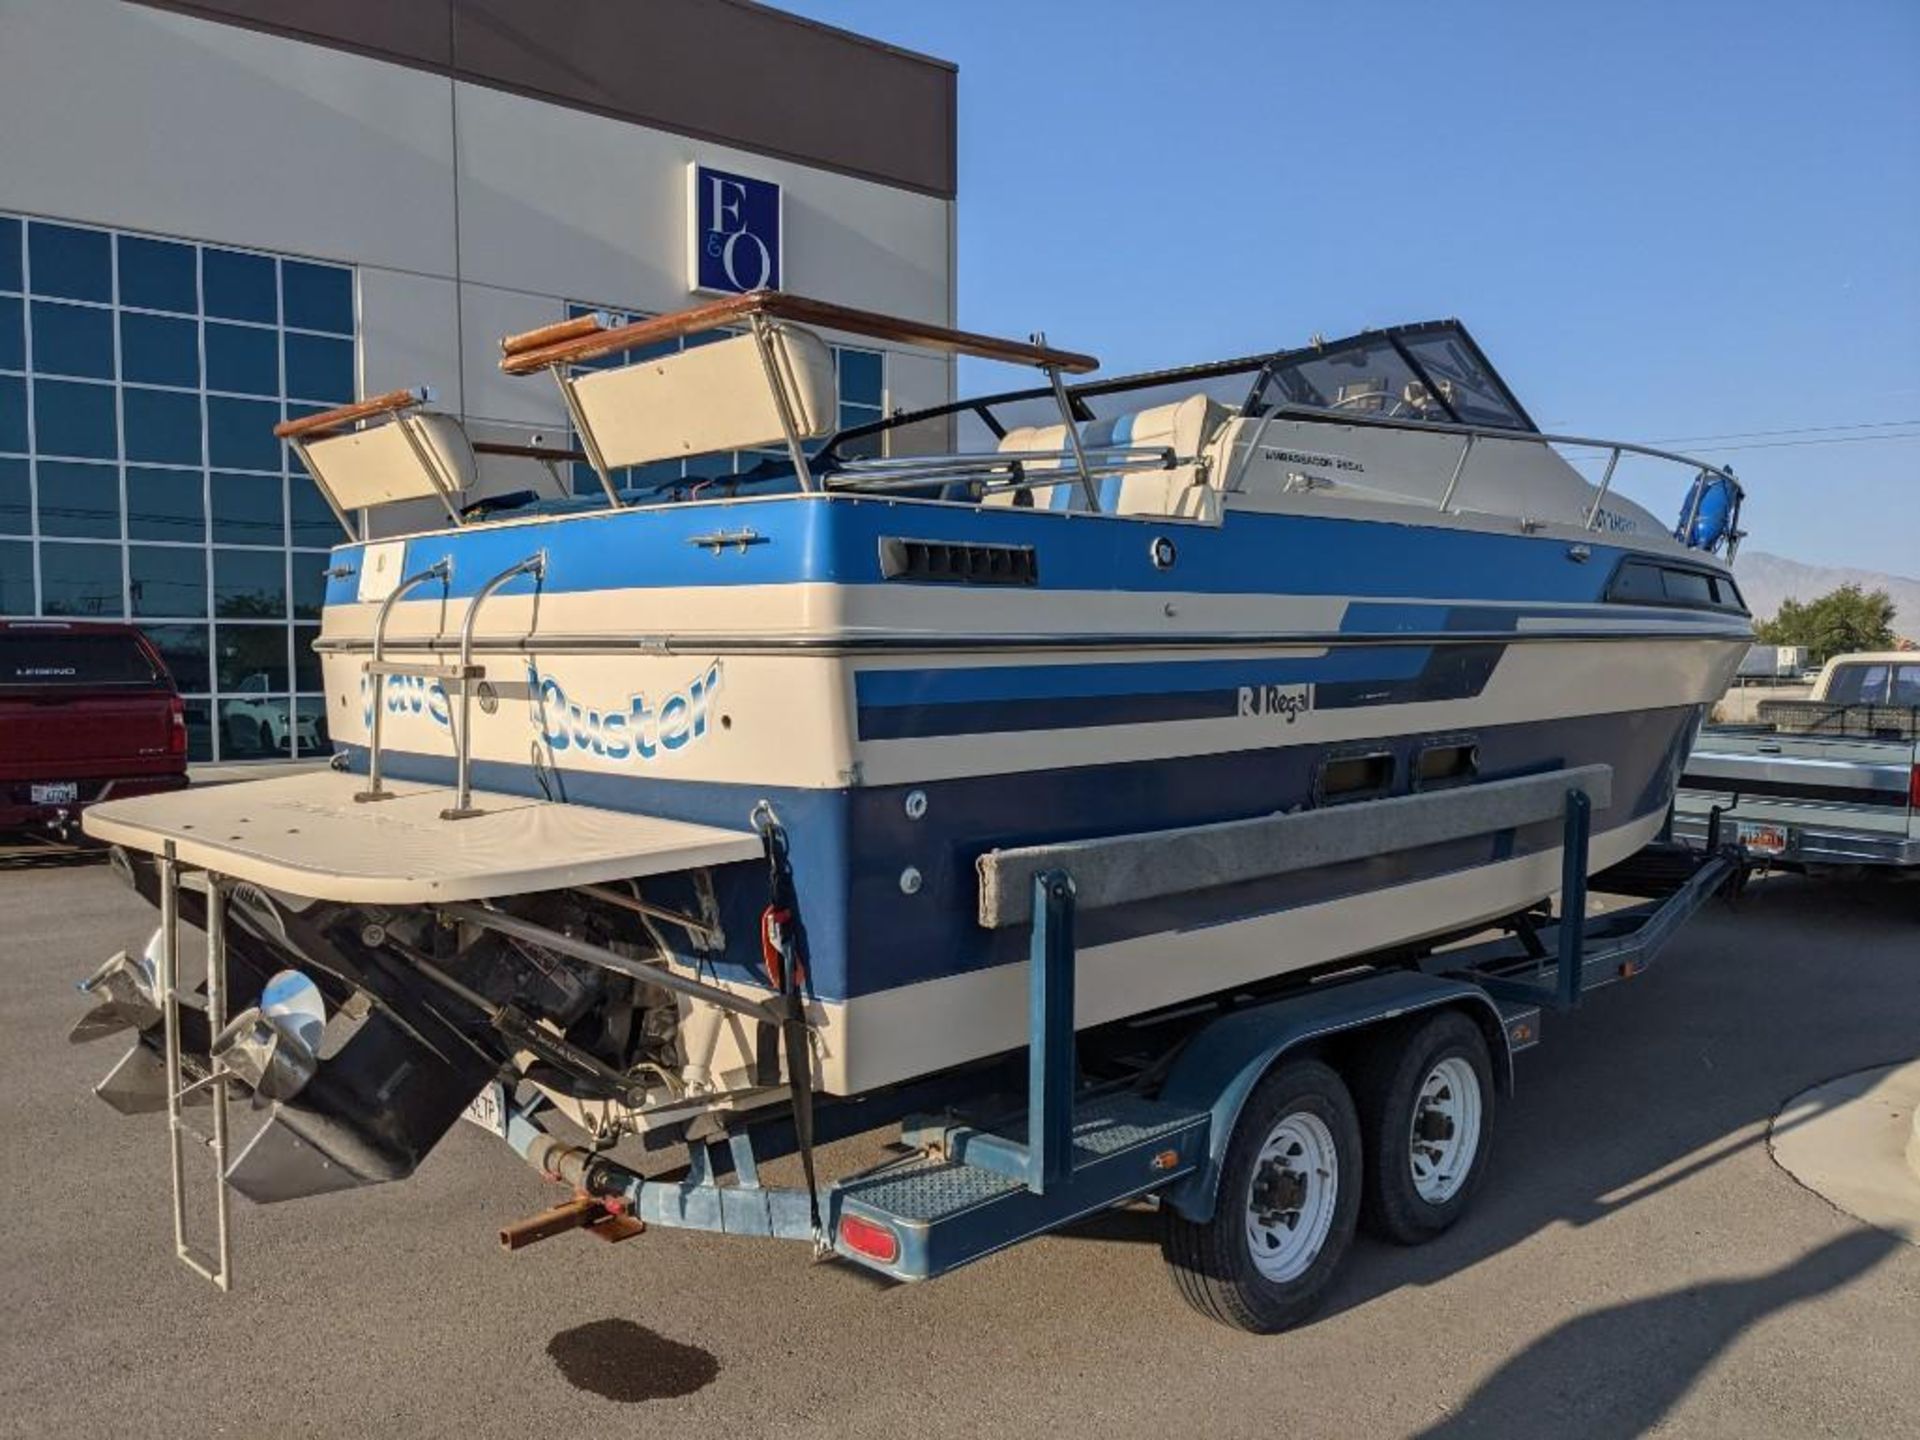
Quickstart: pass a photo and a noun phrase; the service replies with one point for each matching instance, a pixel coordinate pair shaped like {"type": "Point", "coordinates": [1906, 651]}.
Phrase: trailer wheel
{"type": "Point", "coordinates": [1288, 1202]}
{"type": "Point", "coordinates": [1426, 1109]}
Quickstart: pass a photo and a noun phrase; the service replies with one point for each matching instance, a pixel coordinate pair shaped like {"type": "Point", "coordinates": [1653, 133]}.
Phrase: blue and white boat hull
{"type": "Point", "coordinates": [899, 730]}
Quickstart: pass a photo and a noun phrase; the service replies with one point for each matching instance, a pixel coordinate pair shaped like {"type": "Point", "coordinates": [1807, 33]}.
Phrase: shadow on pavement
{"type": "Point", "coordinates": [1616, 1371]}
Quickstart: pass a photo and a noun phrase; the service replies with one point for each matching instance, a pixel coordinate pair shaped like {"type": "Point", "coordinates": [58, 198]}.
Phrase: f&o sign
{"type": "Point", "coordinates": [736, 232]}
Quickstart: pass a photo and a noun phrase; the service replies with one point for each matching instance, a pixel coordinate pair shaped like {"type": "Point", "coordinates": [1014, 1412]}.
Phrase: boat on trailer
{"type": "Point", "coordinates": [688, 806]}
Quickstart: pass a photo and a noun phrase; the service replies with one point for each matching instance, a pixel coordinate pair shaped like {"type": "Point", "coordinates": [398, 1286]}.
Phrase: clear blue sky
{"type": "Point", "coordinates": [1662, 220]}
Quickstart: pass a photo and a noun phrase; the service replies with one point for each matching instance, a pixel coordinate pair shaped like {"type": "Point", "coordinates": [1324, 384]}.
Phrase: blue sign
{"type": "Point", "coordinates": [736, 232]}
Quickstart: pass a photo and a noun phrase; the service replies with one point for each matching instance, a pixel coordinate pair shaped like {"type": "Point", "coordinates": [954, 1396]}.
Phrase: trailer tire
{"type": "Point", "coordinates": [1437, 1073]}
{"type": "Point", "coordinates": [1296, 1149]}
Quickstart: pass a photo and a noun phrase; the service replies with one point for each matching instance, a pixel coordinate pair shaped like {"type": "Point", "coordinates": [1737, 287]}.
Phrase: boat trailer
{"type": "Point", "coordinates": [1144, 1109]}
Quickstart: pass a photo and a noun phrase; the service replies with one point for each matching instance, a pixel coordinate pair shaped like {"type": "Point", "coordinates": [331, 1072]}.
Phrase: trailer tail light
{"type": "Point", "coordinates": [870, 1239]}
{"type": "Point", "coordinates": [177, 727]}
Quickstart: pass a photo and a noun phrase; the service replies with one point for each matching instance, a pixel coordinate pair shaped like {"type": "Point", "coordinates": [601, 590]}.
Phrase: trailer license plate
{"type": "Point", "coordinates": [62, 792]}
{"type": "Point", "coordinates": [489, 1109]}
{"type": "Point", "coordinates": [1764, 839]}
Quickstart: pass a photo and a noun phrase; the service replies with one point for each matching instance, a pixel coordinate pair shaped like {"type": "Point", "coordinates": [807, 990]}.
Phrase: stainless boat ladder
{"type": "Point", "coordinates": [465, 671]}
{"type": "Point", "coordinates": [173, 997]}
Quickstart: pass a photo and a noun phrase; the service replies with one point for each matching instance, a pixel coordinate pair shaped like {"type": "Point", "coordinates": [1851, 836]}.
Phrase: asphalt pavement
{"type": "Point", "coordinates": [1635, 1262]}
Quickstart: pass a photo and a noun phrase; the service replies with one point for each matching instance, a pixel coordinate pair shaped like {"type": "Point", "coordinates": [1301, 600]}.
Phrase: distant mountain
{"type": "Point", "coordinates": [1766, 580]}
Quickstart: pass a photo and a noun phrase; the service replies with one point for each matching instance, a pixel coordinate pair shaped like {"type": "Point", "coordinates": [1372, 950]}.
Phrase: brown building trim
{"type": "Point", "coordinates": [731, 71]}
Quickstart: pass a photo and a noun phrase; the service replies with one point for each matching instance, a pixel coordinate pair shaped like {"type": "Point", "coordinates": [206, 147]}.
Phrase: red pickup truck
{"type": "Point", "coordinates": [87, 710]}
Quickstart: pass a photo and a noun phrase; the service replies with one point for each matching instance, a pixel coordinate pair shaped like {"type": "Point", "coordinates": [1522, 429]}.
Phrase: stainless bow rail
{"type": "Point", "coordinates": [1472, 434]}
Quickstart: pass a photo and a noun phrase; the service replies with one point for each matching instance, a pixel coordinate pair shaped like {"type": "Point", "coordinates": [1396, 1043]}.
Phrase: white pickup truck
{"type": "Point", "coordinates": [1829, 782]}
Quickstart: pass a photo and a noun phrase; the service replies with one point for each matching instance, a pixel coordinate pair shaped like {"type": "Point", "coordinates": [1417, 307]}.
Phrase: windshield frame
{"type": "Point", "coordinates": [1261, 369]}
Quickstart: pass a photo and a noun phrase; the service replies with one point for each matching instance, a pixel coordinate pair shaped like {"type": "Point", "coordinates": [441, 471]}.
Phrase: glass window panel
{"type": "Point", "coordinates": [310, 725]}
{"type": "Point", "coordinates": [13, 412]}
{"type": "Point", "coordinates": [248, 510]}
{"type": "Point", "coordinates": [9, 254]}
{"type": "Point", "coordinates": [67, 261]}
{"type": "Point", "coordinates": [306, 664]}
{"type": "Point", "coordinates": [184, 648]}
{"type": "Point", "coordinates": [162, 425]}
{"type": "Point", "coordinates": [313, 523]}
{"type": "Point", "coordinates": [72, 418]}
{"type": "Point", "coordinates": [318, 368]}
{"type": "Point", "coordinates": [81, 500]}
{"type": "Point", "coordinates": [167, 579]}
{"type": "Point", "coordinates": [16, 577]}
{"type": "Point", "coordinates": [242, 358]}
{"type": "Point", "coordinates": [159, 350]}
{"type": "Point", "coordinates": [316, 297]}
{"type": "Point", "coordinates": [309, 585]}
{"type": "Point", "coordinates": [254, 727]}
{"type": "Point", "coordinates": [165, 505]}
{"type": "Point", "coordinates": [199, 730]}
{"type": "Point", "coordinates": [13, 333]}
{"type": "Point", "coordinates": [16, 503]}
{"type": "Point", "coordinates": [81, 580]}
{"type": "Point", "coordinates": [250, 585]}
{"type": "Point", "coordinates": [72, 340]}
{"type": "Point", "coordinates": [157, 275]}
{"type": "Point", "coordinates": [250, 658]}
{"type": "Point", "coordinates": [238, 286]}
{"type": "Point", "coordinates": [240, 434]}
{"type": "Point", "coordinates": [1366, 378]}
{"type": "Point", "coordinates": [860, 382]}
{"type": "Point", "coordinates": [1465, 384]}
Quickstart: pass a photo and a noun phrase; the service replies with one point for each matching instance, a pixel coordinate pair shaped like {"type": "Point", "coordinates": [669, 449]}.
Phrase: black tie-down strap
{"type": "Point", "coordinates": [783, 949]}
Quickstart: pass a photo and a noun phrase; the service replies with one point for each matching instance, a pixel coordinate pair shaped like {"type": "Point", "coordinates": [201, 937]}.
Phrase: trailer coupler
{"type": "Point", "coordinates": [604, 1218]}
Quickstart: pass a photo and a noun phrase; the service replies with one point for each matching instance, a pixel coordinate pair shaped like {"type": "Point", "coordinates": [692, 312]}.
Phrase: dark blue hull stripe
{"type": "Point", "coordinates": [836, 540]}
{"type": "Point", "coordinates": [902, 704]}
{"type": "Point", "coordinates": [849, 847]}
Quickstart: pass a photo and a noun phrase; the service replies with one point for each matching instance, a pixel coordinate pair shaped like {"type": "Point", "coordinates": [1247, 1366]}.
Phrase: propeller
{"type": "Point", "coordinates": [275, 1046]}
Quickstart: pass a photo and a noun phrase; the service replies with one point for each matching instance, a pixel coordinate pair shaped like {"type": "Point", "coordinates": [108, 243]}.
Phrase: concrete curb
{"type": "Point", "coordinates": [1855, 1141]}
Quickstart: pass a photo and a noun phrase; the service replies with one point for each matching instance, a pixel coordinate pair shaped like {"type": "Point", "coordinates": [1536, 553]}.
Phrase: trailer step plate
{"type": "Point", "coordinates": [944, 1213]}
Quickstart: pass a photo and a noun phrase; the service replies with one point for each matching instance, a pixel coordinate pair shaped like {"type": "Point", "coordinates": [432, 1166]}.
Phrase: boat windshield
{"type": "Point", "coordinates": [1430, 372]}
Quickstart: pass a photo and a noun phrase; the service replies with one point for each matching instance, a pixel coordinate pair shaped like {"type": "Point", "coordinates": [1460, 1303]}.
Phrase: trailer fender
{"type": "Point", "coordinates": [1221, 1064]}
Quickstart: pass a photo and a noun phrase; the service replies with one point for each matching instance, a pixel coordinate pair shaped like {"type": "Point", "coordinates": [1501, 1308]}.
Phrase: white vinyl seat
{"type": "Point", "coordinates": [1183, 491]}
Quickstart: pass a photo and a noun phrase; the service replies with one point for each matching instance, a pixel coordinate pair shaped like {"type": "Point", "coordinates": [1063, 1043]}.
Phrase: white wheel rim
{"type": "Point", "coordinates": [1291, 1195]}
{"type": "Point", "coordinates": [1443, 1136]}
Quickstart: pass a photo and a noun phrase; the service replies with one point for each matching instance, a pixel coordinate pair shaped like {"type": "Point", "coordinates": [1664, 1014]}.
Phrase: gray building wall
{"type": "Point", "coordinates": [479, 164]}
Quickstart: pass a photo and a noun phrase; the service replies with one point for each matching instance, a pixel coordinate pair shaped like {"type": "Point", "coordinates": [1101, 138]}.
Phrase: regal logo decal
{"type": "Point", "coordinates": [637, 729]}
{"type": "Point", "coordinates": [736, 232]}
{"type": "Point", "coordinates": [1282, 702]}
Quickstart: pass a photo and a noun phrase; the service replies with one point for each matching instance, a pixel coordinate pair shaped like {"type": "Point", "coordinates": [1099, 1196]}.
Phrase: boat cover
{"type": "Point", "coordinates": [307, 835]}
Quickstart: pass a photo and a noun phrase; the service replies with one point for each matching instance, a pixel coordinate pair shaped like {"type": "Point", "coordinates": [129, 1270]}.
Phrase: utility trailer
{"type": "Point", "coordinates": [1263, 1123]}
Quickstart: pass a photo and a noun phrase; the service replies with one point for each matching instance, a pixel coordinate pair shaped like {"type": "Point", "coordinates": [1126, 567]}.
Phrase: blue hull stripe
{"type": "Point", "coordinates": [837, 540]}
{"type": "Point", "coordinates": [865, 935]}
{"type": "Point", "coordinates": [944, 702]}
{"type": "Point", "coordinates": [1052, 682]}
